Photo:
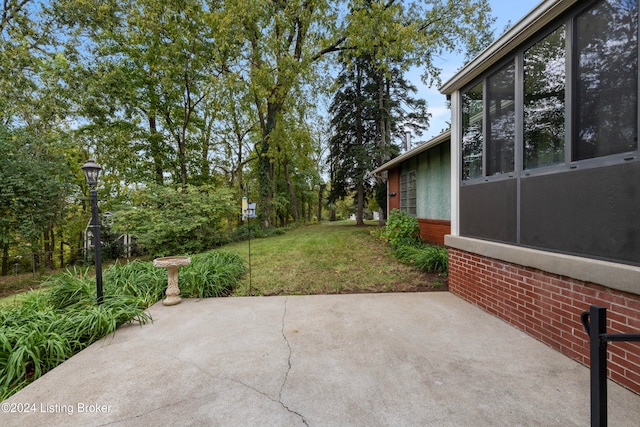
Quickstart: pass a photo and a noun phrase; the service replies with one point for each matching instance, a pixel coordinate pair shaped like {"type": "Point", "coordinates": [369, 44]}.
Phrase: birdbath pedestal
{"type": "Point", "coordinates": [171, 263]}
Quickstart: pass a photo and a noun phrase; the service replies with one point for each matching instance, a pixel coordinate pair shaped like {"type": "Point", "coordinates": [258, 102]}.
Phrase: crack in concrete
{"type": "Point", "coordinates": [286, 376]}
{"type": "Point", "coordinates": [234, 380]}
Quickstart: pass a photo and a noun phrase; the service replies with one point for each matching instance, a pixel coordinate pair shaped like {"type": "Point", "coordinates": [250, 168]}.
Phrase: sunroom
{"type": "Point", "coordinates": [546, 174]}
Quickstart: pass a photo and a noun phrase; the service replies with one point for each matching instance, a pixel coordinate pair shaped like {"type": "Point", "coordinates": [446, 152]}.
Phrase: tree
{"type": "Point", "coordinates": [32, 190]}
{"type": "Point", "coordinates": [167, 221]}
{"type": "Point", "coordinates": [352, 109]}
{"type": "Point", "coordinates": [384, 39]}
{"type": "Point", "coordinates": [367, 111]}
{"type": "Point", "coordinates": [149, 79]}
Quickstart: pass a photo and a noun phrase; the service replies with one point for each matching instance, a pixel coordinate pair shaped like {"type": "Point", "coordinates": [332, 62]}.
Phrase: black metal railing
{"type": "Point", "coordinates": [595, 323]}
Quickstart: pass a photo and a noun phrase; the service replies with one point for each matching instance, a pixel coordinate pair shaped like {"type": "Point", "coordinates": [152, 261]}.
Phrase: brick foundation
{"type": "Point", "coordinates": [548, 307]}
{"type": "Point", "coordinates": [434, 230]}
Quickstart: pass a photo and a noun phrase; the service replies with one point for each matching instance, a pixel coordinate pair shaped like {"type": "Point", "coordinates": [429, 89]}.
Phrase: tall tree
{"type": "Point", "coordinates": [369, 108]}
{"type": "Point", "coordinates": [352, 110]}
{"type": "Point", "coordinates": [157, 65]}
{"type": "Point", "coordinates": [385, 38]}
{"type": "Point", "coordinates": [32, 190]}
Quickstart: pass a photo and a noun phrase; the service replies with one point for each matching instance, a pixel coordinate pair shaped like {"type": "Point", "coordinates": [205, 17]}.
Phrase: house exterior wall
{"type": "Point", "coordinates": [433, 174]}
{"type": "Point", "coordinates": [548, 306]}
{"type": "Point", "coordinates": [434, 230]}
{"type": "Point", "coordinates": [537, 244]}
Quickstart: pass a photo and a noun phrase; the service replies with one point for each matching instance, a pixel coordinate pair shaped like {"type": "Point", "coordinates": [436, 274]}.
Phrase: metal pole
{"type": "Point", "coordinates": [249, 228]}
{"type": "Point", "coordinates": [598, 362]}
{"type": "Point", "coordinates": [96, 242]}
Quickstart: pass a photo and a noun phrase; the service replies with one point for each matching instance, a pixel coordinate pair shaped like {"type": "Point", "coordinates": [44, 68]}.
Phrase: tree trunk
{"type": "Point", "coordinates": [360, 141]}
{"type": "Point", "coordinates": [265, 167]}
{"type": "Point", "coordinates": [183, 162]}
{"type": "Point", "coordinates": [154, 141]}
{"type": "Point", "coordinates": [292, 193]}
{"type": "Point", "coordinates": [320, 197]}
{"type": "Point", "coordinates": [360, 204]}
{"type": "Point", "coordinates": [5, 259]}
{"type": "Point", "coordinates": [49, 247]}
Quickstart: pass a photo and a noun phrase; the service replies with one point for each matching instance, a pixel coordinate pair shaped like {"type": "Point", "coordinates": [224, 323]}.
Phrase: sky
{"type": "Point", "coordinates": [506, 11]}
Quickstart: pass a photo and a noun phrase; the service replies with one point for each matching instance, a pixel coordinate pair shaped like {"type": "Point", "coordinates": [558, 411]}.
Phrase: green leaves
{"type": "Point", "coordinates": [32, 186]}
{"type": "Point", "coordinates": [172, 222]}
{"type": "Point", "coordinates": [401, 228]}
{"type": "Point", "coordinates": [52, 325]}
{"type": "Point", "coordinates": [429, 258]}
{"type": "Point", "coordinates": [211, 274]}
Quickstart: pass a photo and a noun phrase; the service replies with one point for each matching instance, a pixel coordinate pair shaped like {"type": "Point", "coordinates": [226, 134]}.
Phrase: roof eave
{"type": "Point", "coordinates": [437, 140]}
{"type": "Point", "coordinates": [536, 19]}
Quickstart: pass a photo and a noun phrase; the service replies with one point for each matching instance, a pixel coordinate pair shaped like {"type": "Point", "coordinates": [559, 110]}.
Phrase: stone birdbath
{"type": "Point", "coordinates": [171, 263]}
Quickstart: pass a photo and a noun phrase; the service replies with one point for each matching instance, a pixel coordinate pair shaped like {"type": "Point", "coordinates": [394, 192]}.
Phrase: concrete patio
{"type": "Point", "coordinates": [415, 359]}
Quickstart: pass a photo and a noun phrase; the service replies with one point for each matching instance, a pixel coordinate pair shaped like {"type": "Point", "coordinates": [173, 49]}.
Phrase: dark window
{"type": "Point", "coordinates": [472, 139]}
{"type": "Point", "coordinates": [408, 194]}
{"type": "Point", "coordinates": [501, 121]}
{"type": "Point", "coordinates": [544, 101]}
{"type": "Point", "coordinates": [607, 79]}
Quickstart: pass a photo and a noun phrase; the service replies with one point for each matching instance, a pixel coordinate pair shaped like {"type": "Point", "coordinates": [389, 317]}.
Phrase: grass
{"type": "Point", "coordinates": [424, 257]}
{"type": "Point", "coordinates": [328, 258]}
{"type": "Point", "coordinates": [42, 328]}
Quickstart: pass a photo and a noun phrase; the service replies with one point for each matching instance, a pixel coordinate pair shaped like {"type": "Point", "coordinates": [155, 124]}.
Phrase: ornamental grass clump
{"type": "Point", "coordinates": [428, 258]}
{"type": "Point", "coordinates": [51, 326]}
{"type": "Point", "coordinates": [211, 274]}
{"type": "Point", "coordinates": [140, 280]}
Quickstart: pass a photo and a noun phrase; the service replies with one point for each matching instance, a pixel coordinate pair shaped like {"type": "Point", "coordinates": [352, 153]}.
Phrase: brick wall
{"type": "Point", "coordinates": [548, 307]}
{"type": "Point", "coordinates": [434, 230]}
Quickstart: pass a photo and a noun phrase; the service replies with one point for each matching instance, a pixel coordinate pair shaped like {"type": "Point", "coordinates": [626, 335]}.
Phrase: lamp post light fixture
{"type": "Point", "coordinates": [91, 171]}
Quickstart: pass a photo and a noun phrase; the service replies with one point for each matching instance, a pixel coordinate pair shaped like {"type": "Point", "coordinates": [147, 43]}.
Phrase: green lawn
{"type": "Point", "coordinates": [328, 258]}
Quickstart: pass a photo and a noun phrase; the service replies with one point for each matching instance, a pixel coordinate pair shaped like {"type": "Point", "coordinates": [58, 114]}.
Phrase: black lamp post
{"type": "Point", "coordinates": [91, 171]}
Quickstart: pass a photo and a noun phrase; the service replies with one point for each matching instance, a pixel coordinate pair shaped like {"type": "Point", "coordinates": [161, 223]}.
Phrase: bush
{"type": "Point", "coordinates": [401, 228]}
{"type": "Point", "coordinates": [169, 221]}
{"type": "Point", "coordinates": [212, 274]}
{"type": "Point", "coordinates": [429, 258]}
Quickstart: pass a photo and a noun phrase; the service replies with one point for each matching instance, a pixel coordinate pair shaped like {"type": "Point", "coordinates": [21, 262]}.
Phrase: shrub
{"type": "Point", "coordinates": [211, 274]}
{"type": "Point", "coordinates": [170, 221]}
{"type": "Point", "coordinates": [429, 258]}
{"type": "Point", "coordinates": [401, 228]}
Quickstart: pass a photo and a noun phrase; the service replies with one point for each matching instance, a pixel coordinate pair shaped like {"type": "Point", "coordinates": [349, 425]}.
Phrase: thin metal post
{"type": "Point", "coordinates": [96, 243]}
{"type": "Point", "coordinates": [598, 354]}
{"type": "Point", "coordinates": [595, 323]}
{"type": "Point", "coordinates": [249, 228]}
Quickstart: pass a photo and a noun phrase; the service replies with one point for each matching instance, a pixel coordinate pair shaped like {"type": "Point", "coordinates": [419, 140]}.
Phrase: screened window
{"type": "Point", "coordinates": [544, 101]}
{"type": "Point", "coordinates": [408, 194]}
{"type": "Point", "coordinates": [501, 121]}
{"type": "Point", "coordinates": [472, 139]}
{"type": "Point", "coordinates": [607, 79]}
